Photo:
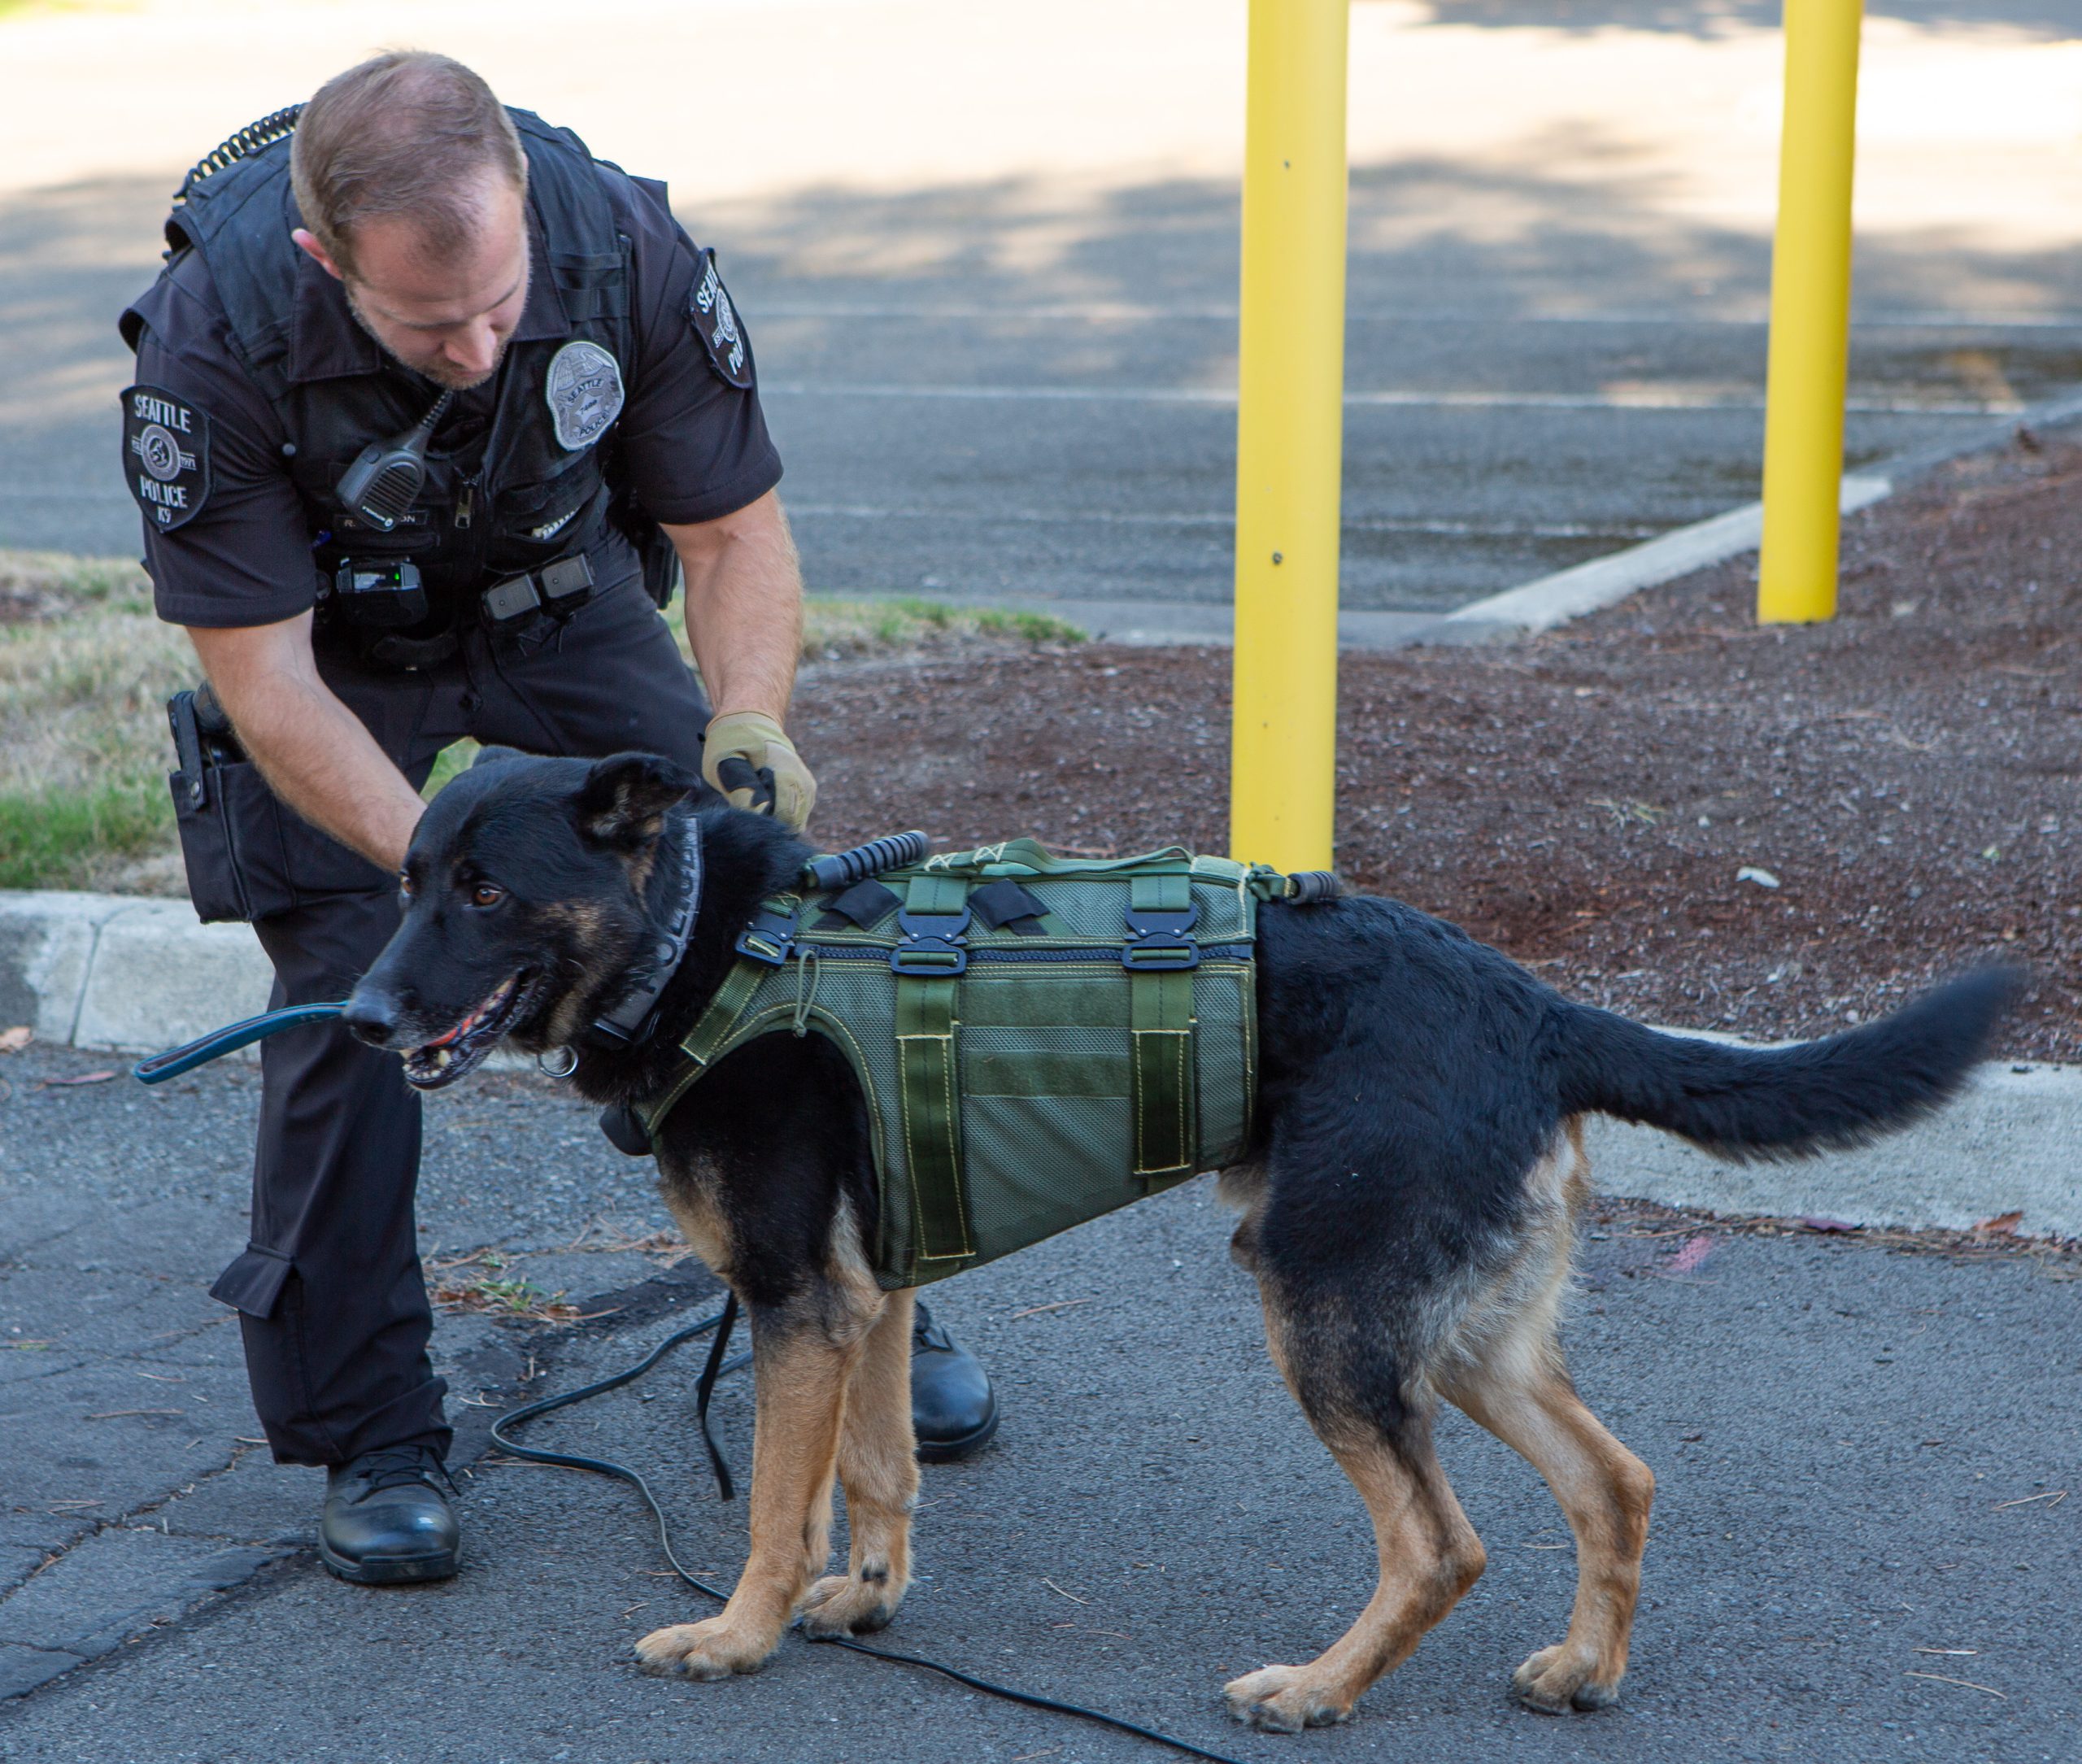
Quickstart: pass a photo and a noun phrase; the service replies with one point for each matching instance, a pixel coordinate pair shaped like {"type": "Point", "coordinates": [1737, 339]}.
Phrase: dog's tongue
{"type": "Point", "coordinates": [474, 1018]}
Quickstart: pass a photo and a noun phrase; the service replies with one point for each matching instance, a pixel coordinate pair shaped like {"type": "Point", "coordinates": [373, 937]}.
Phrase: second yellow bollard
{"type": "Point", "coordinates": [1810, 315]}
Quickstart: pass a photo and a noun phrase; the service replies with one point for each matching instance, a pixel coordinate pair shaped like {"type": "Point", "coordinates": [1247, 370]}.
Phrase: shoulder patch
{"type": "Point", "coordinates": [166, 455]}
{"type": "Point", "coordinates": [715, 323]}
{"type": "Point", "coordinates": [585, 393]}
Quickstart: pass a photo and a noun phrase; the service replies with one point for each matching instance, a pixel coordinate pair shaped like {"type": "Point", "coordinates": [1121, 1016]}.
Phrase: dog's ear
{"type": "Point", "coordinates": [491, 756]}
{"type": "Point", "coordinates": [623, 802]}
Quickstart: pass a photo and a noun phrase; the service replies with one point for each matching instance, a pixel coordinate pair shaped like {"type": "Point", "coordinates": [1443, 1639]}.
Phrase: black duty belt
{"type": "Point", "coordinates": [557, 590]}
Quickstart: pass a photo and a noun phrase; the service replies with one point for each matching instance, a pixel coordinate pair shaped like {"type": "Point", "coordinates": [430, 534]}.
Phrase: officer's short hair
{"type": "Point", "coordinates": [406, 132]}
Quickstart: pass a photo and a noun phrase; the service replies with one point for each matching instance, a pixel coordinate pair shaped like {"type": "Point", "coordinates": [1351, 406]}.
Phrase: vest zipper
{"type": "Point", "coordinates": [466, 496]}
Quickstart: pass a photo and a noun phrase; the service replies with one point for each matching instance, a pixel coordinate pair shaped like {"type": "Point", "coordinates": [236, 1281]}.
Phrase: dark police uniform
{"type": "Point", "coordinates": [625, 397]}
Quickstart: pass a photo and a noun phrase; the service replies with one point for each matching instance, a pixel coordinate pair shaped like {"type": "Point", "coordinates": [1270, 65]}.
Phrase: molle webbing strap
{"type": "Point", "coordinates": [929, 1074]}
{"type": "Point", "coordinates": [711, 1031]}
{"type": "Point", "coordinates": [1161, 1017]}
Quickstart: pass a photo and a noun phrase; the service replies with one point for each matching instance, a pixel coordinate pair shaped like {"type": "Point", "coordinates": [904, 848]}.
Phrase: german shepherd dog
{"type": "Point", "coordinates": [1408, 1206]}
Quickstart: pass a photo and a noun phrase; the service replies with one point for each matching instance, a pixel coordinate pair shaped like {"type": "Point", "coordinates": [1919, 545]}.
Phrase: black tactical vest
{"type": "Point", "coordinates": [528, 498]}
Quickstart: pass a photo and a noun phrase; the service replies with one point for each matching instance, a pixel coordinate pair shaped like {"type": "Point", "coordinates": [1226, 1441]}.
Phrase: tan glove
{"type": "Point", "coordinates": [756, 738]}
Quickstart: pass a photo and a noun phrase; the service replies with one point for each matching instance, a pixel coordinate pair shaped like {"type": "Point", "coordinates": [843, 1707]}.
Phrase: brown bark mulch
{"type": "Point", "coordinates": [1587, 799]}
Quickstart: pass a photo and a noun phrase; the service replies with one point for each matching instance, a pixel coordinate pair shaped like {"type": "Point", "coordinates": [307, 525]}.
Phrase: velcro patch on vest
{"type": "Point", "coordinates": [1004, 905]}
{"type": "Point", "coordinates": [166, 455]}
{"type": "Point", "coordinates": [866, 903]}
{"type": "Point", "coordinates": [715, 323]}
{"type": "Point", "coordinates": [584, 389]}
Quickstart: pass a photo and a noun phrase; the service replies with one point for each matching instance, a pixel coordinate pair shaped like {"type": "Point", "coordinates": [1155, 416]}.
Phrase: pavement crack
{"type": "Point", "coordinates": [127, 1521]}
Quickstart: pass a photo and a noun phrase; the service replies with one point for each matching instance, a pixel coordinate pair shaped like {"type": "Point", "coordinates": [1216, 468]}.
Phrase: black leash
{"type": "Point", "coordinates": [714, 1368]}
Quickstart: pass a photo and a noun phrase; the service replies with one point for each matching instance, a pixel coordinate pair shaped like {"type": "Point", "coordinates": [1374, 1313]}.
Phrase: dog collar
{"type": "Point", "coordinates": [630, 1020]}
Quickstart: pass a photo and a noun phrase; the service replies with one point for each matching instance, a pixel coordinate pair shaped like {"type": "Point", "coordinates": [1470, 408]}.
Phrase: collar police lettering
{"type": "Point", "coordinates": [716, 321]}
{"type": "Point", "coordinates": [585, 393]}
{"type": "Point", "coordinates": [166, 455]}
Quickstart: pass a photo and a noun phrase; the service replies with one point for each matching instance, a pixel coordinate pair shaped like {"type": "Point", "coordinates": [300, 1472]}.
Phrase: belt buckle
{"type": "Point", "coordinates": [1160, 941]}
{"type": "Point", "coordinates": [770, 937]}
{"type": "Point", "coordinates": [933, 946]}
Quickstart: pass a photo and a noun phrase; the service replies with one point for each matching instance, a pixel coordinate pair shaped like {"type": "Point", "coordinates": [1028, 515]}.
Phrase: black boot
{"type": "Point", "coordinates": [387, 1519]}
{"type": "Point", "coordinates": [953, 1410]}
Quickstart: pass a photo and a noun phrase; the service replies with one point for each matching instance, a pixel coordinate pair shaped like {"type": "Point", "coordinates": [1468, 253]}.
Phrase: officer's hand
{"type": "Point", "coordinates": [759, 740]}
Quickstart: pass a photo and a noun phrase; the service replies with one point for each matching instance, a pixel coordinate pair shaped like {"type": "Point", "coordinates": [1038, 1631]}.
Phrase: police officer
{"type": "Point", "coordinates": [432, 408]}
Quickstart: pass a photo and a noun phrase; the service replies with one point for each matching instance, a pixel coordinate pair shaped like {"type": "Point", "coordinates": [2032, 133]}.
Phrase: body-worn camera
{"type": "Point", "coordinates": [388, 594]}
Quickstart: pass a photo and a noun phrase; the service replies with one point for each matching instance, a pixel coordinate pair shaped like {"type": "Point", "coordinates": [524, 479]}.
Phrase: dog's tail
{"type": "Point", "coordinates": [1746, 1103]}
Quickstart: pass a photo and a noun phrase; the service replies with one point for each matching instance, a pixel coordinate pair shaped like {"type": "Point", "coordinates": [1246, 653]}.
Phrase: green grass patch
{"type": "Point", "coordinates": [837, 630]}
{"type": "Point", "coordinates": [86, 668]}
{"type": "Point", "coordinates": [833, 629]}
{"type": "Point", "coordinates": [54, 838]}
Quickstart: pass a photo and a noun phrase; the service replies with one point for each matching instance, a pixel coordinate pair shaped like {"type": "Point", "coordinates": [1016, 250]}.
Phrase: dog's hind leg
{"type": "Point", "coordinates": [1429, 1553]}
{"type": "Point", "coordinates": [803, 1357]}
{"type": "Point", "coordinates": [1507, 1373]}
{"type": "Point", "coordinates": [1606, 1493]}
{"type": "Point", "coordinates": [878, 1465]}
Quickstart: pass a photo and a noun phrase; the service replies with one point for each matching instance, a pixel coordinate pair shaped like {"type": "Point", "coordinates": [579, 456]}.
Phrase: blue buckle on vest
{"type": "Point", "coordinates": [933, 944]}
{"type": "Point", "coordinates": [770, 937]}
{"type": "Point", "coordinates": [1160, 939]}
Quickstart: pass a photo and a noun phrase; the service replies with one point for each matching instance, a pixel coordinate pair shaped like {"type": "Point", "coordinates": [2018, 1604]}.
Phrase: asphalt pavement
{"type": "Point", "coordinates": [959, 423]}
{"type": "Point", "coordinates": [1860, 1551]}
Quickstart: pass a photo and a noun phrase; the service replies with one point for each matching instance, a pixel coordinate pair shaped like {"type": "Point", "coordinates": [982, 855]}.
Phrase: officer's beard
{"type": "Point", "coordinates": [439, 372]}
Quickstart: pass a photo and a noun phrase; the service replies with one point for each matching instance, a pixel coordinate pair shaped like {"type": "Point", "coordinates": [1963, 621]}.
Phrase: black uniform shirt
{"type": "Point", "coordinates": [694, 447]}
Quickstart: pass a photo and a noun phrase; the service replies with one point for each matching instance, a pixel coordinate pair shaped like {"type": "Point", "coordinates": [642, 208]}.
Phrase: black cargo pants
{"type": "Point", "coordinates": [329, 1291]}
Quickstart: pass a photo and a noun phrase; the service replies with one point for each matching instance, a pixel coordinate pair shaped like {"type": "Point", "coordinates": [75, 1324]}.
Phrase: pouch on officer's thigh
{"type": "Point", "coordinates": [248, 856]}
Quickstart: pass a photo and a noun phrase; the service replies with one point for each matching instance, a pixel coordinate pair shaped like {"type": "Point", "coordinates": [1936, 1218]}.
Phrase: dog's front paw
{"type": "Point", "coordinates": [839, 1604]}
{"type": "Point", "coordinates": [1556, 1680]}
{"type": "Point", "coordinates": [713, 1649]}
{"type": "Point", "coordinates": [1285, 1698]}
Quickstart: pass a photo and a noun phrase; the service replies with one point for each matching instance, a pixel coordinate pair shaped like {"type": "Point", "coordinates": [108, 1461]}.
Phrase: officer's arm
{"type": "Point", "coordinates": [744, 621]}
{"type": "Point", "coordinates": [315, 753]}
{"type": "Point", "coordinates": [744, 606]}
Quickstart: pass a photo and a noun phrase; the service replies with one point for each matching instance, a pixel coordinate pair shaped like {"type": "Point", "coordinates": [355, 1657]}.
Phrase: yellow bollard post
{"type": "Point", "coordinates": [1810, 315]}
{"type": "Point", "coordinates": [1290, 423]}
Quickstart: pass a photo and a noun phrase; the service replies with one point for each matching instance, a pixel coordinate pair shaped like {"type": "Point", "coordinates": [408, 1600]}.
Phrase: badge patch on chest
{"type": "Point", "coordinates": [584, 394]}
{"type": "Point", "coordinates": [716, 321]}
{"type": "Point", "coordinates": [166, 455]}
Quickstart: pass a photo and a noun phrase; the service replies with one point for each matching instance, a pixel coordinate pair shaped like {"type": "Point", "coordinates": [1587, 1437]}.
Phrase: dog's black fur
{"type": "Point", "coordinates": [1407, 1211]}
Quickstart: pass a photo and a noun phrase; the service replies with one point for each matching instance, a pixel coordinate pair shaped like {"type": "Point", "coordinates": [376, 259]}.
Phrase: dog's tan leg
{"type": "Point", "coordinates": [878, 1464]}
{"type": "Point", "coordinates": [801, 1369]}
{"type": "Point", "coordinates": [1522, 1394]}
{"type": "Point", "coordinates": [1429, 1557]}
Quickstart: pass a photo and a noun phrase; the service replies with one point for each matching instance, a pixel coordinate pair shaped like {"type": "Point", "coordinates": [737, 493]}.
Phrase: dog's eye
{"type": "Point", "coordinates": [405, 885]}
{"type": "Point", "coordinates": [486, 894]}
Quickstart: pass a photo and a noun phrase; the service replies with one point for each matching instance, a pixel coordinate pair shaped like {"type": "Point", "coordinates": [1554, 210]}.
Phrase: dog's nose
{"type": "Point", "coordinates": [371, 1015]}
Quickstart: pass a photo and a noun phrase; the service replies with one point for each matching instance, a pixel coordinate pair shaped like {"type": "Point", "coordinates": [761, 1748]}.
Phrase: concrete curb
{"type": "Point", "coordinates": [1551, 600]}
{"type": "Point", "coordinates": [2011, 1142]}
{"type": "Point", "coordinates": [1603, 582]}
{"type": "Point", "coordinates": [1541, 604]}
{"type": "Point", "coordinates": [115, 972]}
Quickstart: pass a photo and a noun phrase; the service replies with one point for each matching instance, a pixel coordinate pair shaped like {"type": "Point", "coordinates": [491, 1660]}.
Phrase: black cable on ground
{"type": "Point", "coordinates": [715, 1367]}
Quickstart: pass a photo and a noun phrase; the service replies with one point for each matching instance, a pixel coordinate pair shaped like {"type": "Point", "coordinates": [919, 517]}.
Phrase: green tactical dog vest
{"type": "Point", "coordinates": [1040, 1039]}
